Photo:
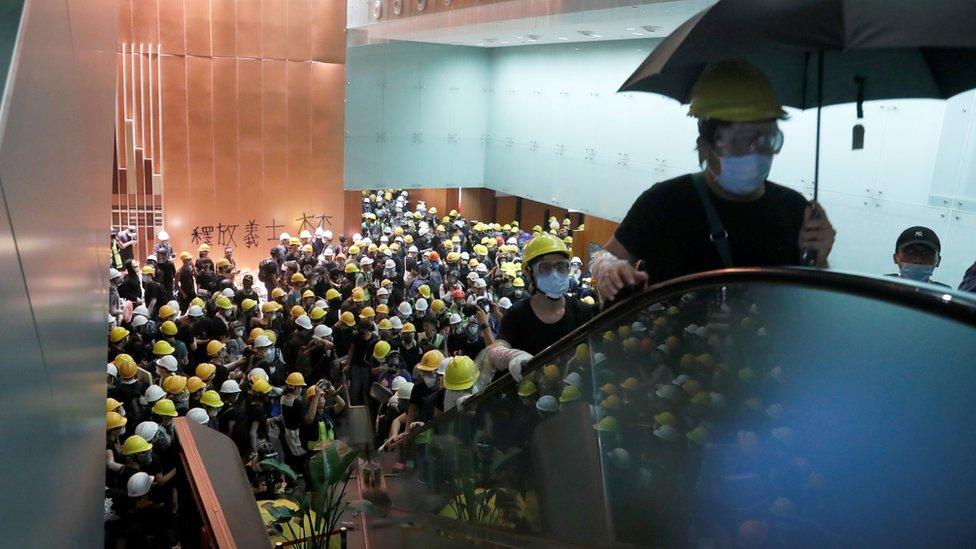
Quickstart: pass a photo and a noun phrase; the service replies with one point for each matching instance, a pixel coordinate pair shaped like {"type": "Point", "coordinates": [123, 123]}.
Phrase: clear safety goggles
{"type": "Point", "coordinates": [741, 143]}
{"type": "Point", "coordinates": [544, 269]}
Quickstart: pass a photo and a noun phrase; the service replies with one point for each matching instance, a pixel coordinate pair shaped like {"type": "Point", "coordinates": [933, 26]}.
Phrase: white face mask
{"type": "Point", "coordinates": [429, 379]}
{"type": "Point", "coordinates": [269, 353]}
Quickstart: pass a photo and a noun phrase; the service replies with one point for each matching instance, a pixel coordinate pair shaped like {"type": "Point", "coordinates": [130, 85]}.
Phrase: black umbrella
{"type": "Point", "coordinates": [824, 52]}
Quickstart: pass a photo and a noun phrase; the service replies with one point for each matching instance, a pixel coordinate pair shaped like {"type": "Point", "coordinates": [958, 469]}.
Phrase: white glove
{"type": "Point", "coordinates": [460, 402]}
{"type": "Point", "coordinates": [515, 364]}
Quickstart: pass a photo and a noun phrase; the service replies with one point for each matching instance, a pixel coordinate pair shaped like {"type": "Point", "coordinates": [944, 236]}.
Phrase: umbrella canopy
{"type": "Point", "coordinates": [871, 49]}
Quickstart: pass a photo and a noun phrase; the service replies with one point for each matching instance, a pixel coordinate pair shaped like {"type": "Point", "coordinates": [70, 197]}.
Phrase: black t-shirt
{"type": "Point", "coordinates": [523, 330]}
{"type": "Point", "coordinates": [666, 227]}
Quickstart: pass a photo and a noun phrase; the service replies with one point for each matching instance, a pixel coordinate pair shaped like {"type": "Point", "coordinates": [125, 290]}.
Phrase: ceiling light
{"type": "Point", "coordinates": [563, 38]}
{"type": "Point", "coordinates": [631, 28]}
{"type": "Point", "coordinates": [637, 33]}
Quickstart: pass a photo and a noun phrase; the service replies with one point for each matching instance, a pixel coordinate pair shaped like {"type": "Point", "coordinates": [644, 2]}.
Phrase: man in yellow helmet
{"type": "Point", "coordinates": [729, 214]}
{"type": "Point", "coordinates": [533, 324]}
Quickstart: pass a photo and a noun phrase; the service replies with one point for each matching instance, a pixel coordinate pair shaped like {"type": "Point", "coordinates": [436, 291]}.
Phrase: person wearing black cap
{"type": "Point", "coordinates": [917, 254]}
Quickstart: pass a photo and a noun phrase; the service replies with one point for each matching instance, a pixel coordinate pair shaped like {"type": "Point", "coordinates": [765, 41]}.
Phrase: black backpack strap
{"type": "Point", "coordinates": [717, 233]}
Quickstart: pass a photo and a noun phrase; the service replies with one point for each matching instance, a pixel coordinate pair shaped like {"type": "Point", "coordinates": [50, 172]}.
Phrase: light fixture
{"type": "Point", "coordinates": [637, 33]}
{"type": "Point", "coordinates": [563, 38]}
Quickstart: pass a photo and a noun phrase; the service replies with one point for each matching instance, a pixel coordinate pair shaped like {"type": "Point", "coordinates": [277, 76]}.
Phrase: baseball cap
{"type": "Point", "coordinates": [918, 235]}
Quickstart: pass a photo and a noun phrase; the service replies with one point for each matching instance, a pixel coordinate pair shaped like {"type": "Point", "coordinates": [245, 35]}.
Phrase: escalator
{"type": "Point", "coordinates": [739, 408]}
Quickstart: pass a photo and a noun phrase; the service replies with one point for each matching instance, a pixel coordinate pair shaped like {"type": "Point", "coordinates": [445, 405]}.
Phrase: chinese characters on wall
{"type": "Point", "coordinates": [253, 232]}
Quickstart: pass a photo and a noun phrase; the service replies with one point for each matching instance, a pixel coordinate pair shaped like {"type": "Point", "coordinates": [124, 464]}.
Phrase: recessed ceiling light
{"type": "Point", "coordinates": [631, 28]}
{"type": "Point", "coordinates": [637, 33]}
{"type": "Point", "coordinates": [563, 38]}
{"type": "Point", "coordinates": [504, 41]}
{"type": "Point", "coordinates": [480, 44]}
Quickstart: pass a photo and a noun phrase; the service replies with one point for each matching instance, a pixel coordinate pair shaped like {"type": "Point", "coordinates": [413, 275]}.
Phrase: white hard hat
{"type": "Point", "coordinates": [322, 304]}
{"type": "Point", "coordinates": [328, 234]}
{"type": "Point", "coordinates": [151, 257]}
{"type": "Point", "coordinates": [573, 378]}
{"type": "Point", "coordinates": [397, 382]}
{"type": "Point", "coordinates": [473, 275]}
{"type": "Point", "coordinates": [230, 386]}
{"type": "Point", "coordinates": [113, 370]}
{"type": "Point", "coordinates": [328, 252]}
{"type": "Point", "coordinates": [382, 291]}
{"type": "Point", "coordinates": [195, 311]}
{"type": "Point", "coordinates": [262, 341]}
{"type": "Point", "coordinates": [228, 292]}
{"type": "Point", "coordinates": [504, 303]}
{"type": "Point", "coordinates": [384, 239]}
{"type": "Point", "coordinates": [512, 240]}
{"type": "Point", "coordinates": [305, 234]}
{"type": "Point", "coordinates": [304, 322]}
{"type": "Point", "coordinates": [322, 331]}
{"type": "Point", "coordinates": [174, 304]}
{"type": "Point", "coordinates": [480, 283]}
{"type": "Point", "coordinates": [139, 320]}
{"type": "Point", "coordinates": [681, 379]}
{"type": "Point", "coordinates": [465, 256]}
{"type": "Point", "coordinates": [113, 273]}
{"type": "Point", "coordinates": [405, 308]}
{"type": "Point", "coordinates": [481, 268]}
{"type": "Point", "coordinates": [667, 432]}
{"type": "Point", "coordinates": [141, 310]}
{"type": "Point", "coordinates": [147, 430]}
{"type": "Point", "coordinates": [168, 363]}
{"type": "Point", "coordinates": [284, 236]}
{"type": "Point", "coordinates": [669, 392]}
{"type": "Point", "coordinates": [112, 320]}
{"type": "Point", "coordinates": [138, 485]}
{"type": "Point", "coordinates": [404, 391]}
{"type": "Point", "coordinates": [163, 236]}
{"type": "Point", "coordinates": [390, 264]}
{"type": "Point", "coordinates": [154, 393]}
{"type": "Point", "coordinates": [423, 230]}
{"type": "Point", "coordinates": [412, 249]}
{"type": "Point", "coordinates": [576, 261]}
{"type": "Point", "coordinates": [198, 415]}
{"type": "Point", "coordinates": [638, 327]}
{"type": "Point", "coordinates": [454, 319]}
{"type": "Point", "coordinates": [366, 240]}
{"type": "Point", "coordinates": [547, 403]}
{"type": "Point", "coordinates": [366, 261]}
{"type": "Point", "coordinates": [258, 373]}
{"type": "Point", "coordinates": [396, 323]}
{"type": "Point", "coordinates": [357, 237]}
{"type": "Point", "coordinates": [319, 231]}
{"type": "Point", "coordinates": [421, 305]}
{"type": "Point", "coordinates": [442, 367]}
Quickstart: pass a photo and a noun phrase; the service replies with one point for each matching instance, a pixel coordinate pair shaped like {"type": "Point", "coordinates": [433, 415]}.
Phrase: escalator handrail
{"type": "Point", "coordinates": [959, 306]}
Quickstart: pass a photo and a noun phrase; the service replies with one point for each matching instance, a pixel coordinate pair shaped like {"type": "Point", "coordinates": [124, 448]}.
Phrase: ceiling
{"type": "Point", "coordinates": [640, 20]}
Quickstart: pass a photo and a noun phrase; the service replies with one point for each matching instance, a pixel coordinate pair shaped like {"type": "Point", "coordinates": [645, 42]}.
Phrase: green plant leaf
{"type": "Point", "coordinates": [280, 513]}
{"type": "Point", "coordinates": [281, 467]}
{"type": "Point", "coordinates": [341, 469]}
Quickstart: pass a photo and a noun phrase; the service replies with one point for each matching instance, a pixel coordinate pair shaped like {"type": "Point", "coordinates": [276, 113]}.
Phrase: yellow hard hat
{"type": "Point", "coordinates": [612, 402]}
{"type": "Point", "coordinates": [277, 292]}
{"type": "Point", "coordinates": [358, 295]}
{"type": "Point", "coordinates": [297, 311]}
{"type": "Point", "coordinates": [223, 262]}
{"type": "Point", "coordinates": [186, 255]}
{"type": "Point", "coordinates": [537, 229]}
{"type": "Point", "coordinates": [164, 407]}
{"type": "Point", "coordinates": [214, 347]}
{"type": "Point", "coordinates": [472, 262]}
{"type": "Point", "coordinates": [568, 240]}
{"type": "Point", "coordinates": [317, 313]}
{"type": "Point", "coordinates": [205, 371]}
{"type": "Point", "coordinates": [248, 304]}
{"type": "Point", "coordinates": [481, 249]}
{"type": "Point", "coordinates": [174, 385]}
{"type": "Point", "coordinates": [382, 308]}
{"type": "Point", "coordinates": [588, 300]}
{"type": "Point", "coordinates": [607, 424]}
{"type": "Point", "coordinates": [211, 398]}
{"type": "Point", "coordinates": [438, 306]}
{"type": "Point", "coordinates": [198, 302]}
{"type": "Point", "coordinates": [271, 335]}
{"type": "Point", "coordinates": [699, 435]}
{"type": "Point", "coordinates": [518, 283]}
{"type": "Point", "coordinates": [297, 278]}
{"type": "Point", "coordinates": [331, 294]}
{"type": "Point", "coordinates": [162, 347]}
{"type": "Point", "coordinates": [542, 245]}
{"type": "Point", "coordinates": [381, 349]}
{"type": "Point", "coordinates": [570, 393]}
{"type": "Point", "coordinates": [409, 328]}
{"type": "Point", "coordinates": [270, 307]}
{"type": "Point", "coordinates": [166, 311]}
{"type": "Point", "coordinates": [665, 418]}
{"type": "Point", "coordinates": [193, 383]}
{"type": "Point", "coordinates": [631, 384]}
{"type": "Point", "coordinates": [112, 405]}
{"type": "Point", "coordinates": [386, 283]}
{"type": "Point", "coordinates": [168, 328]}
{"type": "Point", "coordinates": [348, 319]}
{"type": "Point", "coordinates": [294, 241]}
{"type": "Point", "coordinates": [424, 291]}
{"type": "Point", "coordinates": [431, 360]}
{"type": "Point", "coordinates": [351, 268]}
{"type": "Point", "coordinates": [308, 248]}
{"type": "Point", "coordinates": [353, 250]}
{"type": "Point", "coordinates": [307, 294]}
{"type": "Point", "coordinates": [461, 374]}
{"type": "Point", "coordinates": [135, 445]}
{"type": "Point", "coordinates": [114, 420]}
{"type": "Point", "coordinates": [367, 312]}
{"type": "Point", "coordinates": [117, 334]}
{"type": "Point", "coordinates": [295, 379]}
{"type": "Point", "coordinates": [453, 257]}
{"type": "Point", "coordinates": [148, 270]}
{"type": "Point", "coordinates": [527, 388]}
{"type": "Point", "coordinates": [372, 248]}
{"type": "Point", "coordinates": [385, 324]}
{"type": "Point", "coordinates": [453, 213]}
{"type": "Point", "coordinates": [734, 91]}
{"type": "Point", "coordinates": [261, 386]}
{"type": "Point", "coordinates": [551, 371]}
{"type": "Point", "coordinates": [204, 248]}
{"type": "Point", "coordinates": [223, 302]}
{"type": "Point", "coordinates": [128, 370]}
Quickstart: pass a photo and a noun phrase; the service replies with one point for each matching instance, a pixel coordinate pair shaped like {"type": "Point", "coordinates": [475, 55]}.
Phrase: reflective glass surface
{"type": "Point", "coordinates": [748, 415]}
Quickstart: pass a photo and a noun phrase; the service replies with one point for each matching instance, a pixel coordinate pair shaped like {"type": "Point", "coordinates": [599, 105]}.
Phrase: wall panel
{"type": "Point", "coordinates": [225, 136]}
{"type": "Point", "coordinates": [200, 159]}
{"type": "Point", "coordinates": [198, 30]}
{"type": "Point", "coordinates": [172, 33]}
{"type": "Point", "coordinates": [249, 35]}
{"type": "Point", "coordinates": [224, 27]}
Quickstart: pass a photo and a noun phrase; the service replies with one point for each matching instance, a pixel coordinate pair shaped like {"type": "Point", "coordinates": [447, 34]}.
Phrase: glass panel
{"type": "Point", "coordinates": [747, 415]}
